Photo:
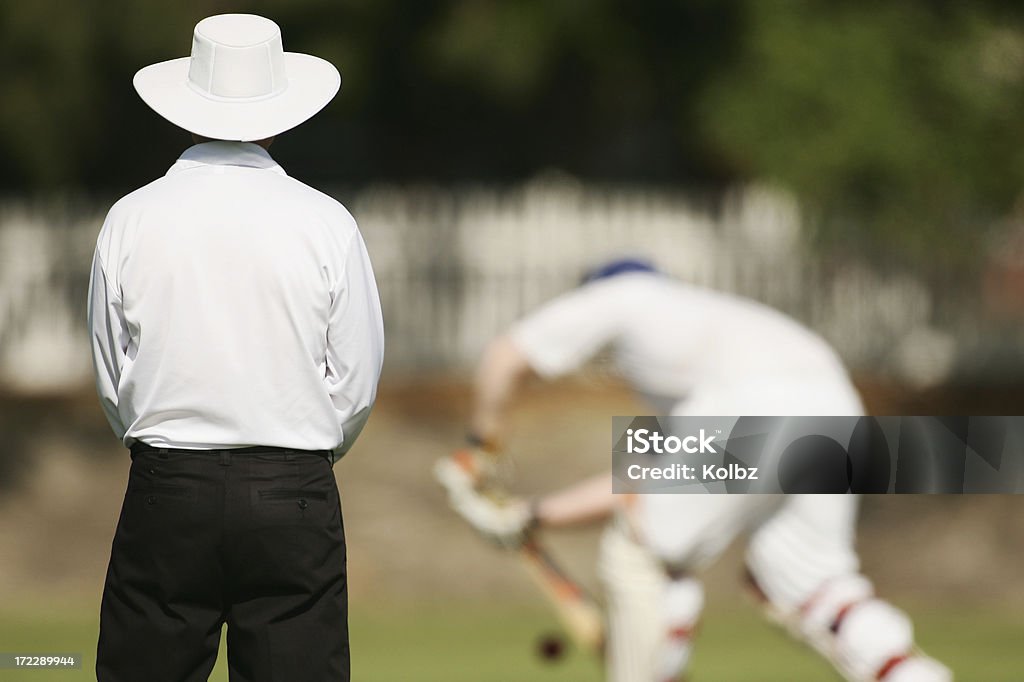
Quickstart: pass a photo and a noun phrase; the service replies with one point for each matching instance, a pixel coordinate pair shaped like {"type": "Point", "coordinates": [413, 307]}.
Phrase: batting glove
{"type": "Point", "coordinates": [506, 523]}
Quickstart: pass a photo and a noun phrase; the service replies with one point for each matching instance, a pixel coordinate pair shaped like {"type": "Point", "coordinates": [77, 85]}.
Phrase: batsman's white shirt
{"type": "Point", "coordinates": [688, 350]}
{"type": "Point", "coordinates": [231, 305]}
{"type": "Point", "coordinates": [691, 351]}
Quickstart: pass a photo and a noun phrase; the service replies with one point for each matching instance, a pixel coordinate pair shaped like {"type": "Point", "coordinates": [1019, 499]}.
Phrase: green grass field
{"type": "Point", "coordinates": [474, 644]}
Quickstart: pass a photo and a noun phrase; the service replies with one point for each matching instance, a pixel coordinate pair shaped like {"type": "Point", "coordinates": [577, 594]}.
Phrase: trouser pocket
{"type": "Point", "coordinates": [290, 505]}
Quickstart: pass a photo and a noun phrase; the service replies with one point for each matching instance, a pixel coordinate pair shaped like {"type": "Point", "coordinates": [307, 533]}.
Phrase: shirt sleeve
{"type": "Point", "coordinates": [563, 334]}
{"type": "Point", "coordinates": [355, 343]}
{"type": "Point", "coordinates": [109, 335]}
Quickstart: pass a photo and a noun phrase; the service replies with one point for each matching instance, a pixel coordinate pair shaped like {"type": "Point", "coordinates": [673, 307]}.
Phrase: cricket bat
{"type": "Point", "coordinates": [577, 611]}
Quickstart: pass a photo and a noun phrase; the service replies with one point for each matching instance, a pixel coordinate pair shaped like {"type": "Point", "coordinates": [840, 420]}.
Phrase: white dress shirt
{"type": "Point", "coordinates": [231, 305]}
{"type": "Point", "coordinates": [690, 350]}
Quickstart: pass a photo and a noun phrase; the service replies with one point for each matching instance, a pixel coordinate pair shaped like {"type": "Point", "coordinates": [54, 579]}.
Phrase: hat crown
{"type": "Point", "coordinates": [237, 57]}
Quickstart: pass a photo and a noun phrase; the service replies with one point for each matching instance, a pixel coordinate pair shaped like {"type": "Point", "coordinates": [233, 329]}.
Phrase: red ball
{"type": "Point", "coordinates": [551, 647]}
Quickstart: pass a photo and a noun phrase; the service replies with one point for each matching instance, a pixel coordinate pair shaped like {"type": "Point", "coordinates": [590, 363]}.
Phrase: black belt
{"type": "Point", "coordinates": [139, 447]}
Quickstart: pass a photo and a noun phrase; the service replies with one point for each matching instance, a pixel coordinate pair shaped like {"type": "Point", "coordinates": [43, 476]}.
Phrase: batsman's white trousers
{"type": "Point", "coordinates": [799, 542]}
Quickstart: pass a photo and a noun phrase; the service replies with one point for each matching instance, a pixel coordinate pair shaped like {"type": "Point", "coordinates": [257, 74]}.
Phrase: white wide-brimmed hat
{"type": "Point", "coordinates": [239, 83]}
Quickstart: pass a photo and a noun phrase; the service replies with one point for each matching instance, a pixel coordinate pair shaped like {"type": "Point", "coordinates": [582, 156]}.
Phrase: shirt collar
{"type": "Point", "coordinates": [220, 153]}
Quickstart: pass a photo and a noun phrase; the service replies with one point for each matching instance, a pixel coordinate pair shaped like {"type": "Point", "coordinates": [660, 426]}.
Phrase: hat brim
{"type": "Point", "coordinates": [312, 83]}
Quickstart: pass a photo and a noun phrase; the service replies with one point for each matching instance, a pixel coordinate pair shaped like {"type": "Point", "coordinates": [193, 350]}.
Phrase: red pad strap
{"type": "Point", "coordinates": [837, 622]}
{"type": "Point", "coordinates": [890, 665]}
{"type": "Point", "coordinates": [682, 632]}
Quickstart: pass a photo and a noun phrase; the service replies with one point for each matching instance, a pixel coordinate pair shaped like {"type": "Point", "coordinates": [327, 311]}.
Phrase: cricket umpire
{"type": "Point", "coordinates": [237, 338]}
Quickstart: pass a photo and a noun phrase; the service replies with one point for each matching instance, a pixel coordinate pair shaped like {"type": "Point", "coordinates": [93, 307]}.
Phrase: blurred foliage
{"type": "Point", "coordinates": [902, 117]}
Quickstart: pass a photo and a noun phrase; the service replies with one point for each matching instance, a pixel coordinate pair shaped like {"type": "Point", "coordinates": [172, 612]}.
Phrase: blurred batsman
{"type": "Point", "coordinates": [694, 352]}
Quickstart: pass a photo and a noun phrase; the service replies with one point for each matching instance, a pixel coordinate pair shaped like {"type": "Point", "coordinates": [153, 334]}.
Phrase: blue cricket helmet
{"type": "Point", "coordinates": [619, 266]}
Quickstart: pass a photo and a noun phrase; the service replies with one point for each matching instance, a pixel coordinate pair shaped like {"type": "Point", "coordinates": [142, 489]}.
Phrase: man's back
{"type": "Point", "coordinates": [229, 273]}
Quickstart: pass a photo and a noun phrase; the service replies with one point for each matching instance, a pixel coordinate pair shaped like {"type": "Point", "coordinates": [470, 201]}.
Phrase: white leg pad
{"type": "Point", "coordinates": [864, 637]}
{"type": "Point", "coordinates": [650, 617]}
{"type": "Point", "coordinates": [802, 547]}
{"type": "Point", "coordinates": [870, 635]}
{"type": "Point", "coordinates": [919, 669]}
{"type": "Point", "coordinates": [634, 584]}
{"type": "Point", "coordinates": [682, 603]}
{"type": "Point", "coordinates": [818, 613]}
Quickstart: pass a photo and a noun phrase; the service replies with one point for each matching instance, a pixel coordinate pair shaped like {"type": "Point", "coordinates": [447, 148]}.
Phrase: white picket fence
{"type": "Point", "coordinates": [456, 266]}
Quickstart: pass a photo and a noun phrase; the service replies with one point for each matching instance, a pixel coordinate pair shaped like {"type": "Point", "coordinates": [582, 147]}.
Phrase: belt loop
{"type": "Point", "coordinates": [225, 458]}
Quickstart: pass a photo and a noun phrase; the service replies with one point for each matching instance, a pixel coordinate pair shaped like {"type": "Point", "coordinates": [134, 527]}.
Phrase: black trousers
{"type": "Point", "coordinates": [249, 538]}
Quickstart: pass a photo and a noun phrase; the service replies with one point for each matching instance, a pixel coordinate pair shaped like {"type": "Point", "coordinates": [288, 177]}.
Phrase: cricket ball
{"type": "Point", "coordinates": [551, 647]}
